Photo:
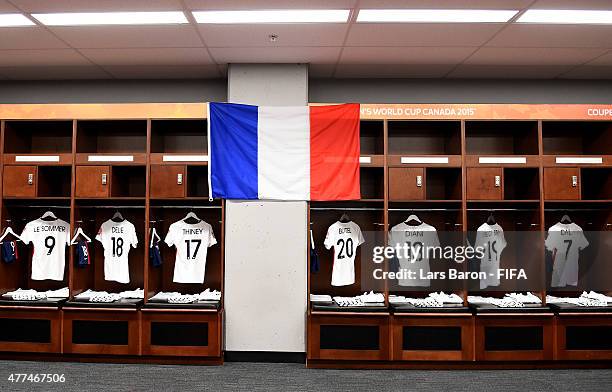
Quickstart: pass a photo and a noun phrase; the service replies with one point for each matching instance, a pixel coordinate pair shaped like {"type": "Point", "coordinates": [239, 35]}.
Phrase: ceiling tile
{"type": "Point", "coordinates": [148, 56]}
{"type": "Point", "coordinates": [43, 58]}
{"type": "Point", "coordinates": [391, 71]}
{"type": "Point", "coordinates": [5, 7]}
{"type": "Point", "coordinates": [478, 71]}
{"type": "Point", "coordinates": [163, 71]}
{"type": "Point", "coordinates": [606, 59]}
{"type": "Point", "coordinates": [29, 37]}
{"type": "Point", "coordinates": [54, 73]}
{"type": "Point", "coordinates": [554, 36]}
{"type": "Point", "coordinates": [533, 56]}
{"type": "Point", "coordinates": [92, 37]}
{"type": "Point", "coordinates": [589, 72]}
{"type": "Point", "coordinates": [268, 4]}
{"type": "Point", "coordinates": [288, 35]}
{"type": "Point", "coordinates": [442, 4]}
{"type": "Point", "coordinates": [573, 4]}
{"type": "Point", "coordinates": [405, 55]}
{"type": "Point", "coordinates": [276, 55]}
{"type": "Point", "coordinates": [425, 34]}
{"type": "Point", "coordinates": [37, 6]}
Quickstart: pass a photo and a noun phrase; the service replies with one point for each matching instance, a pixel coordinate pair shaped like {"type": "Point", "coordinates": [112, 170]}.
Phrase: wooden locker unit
{"type": "Point", "coordinates": [484, 183]}
{"type": "Point", "coordinates": [562, 183]}
{"type": "Point", "coordinates": [406, 183]}
{"type": "Point", "coordinates": [20, 181]}
{"type": "Point", "coordinates": [93, 181]}
{"type": "Point", "coordinates": [168, 181]}
{"type": "Point", "coordinates": [67, 153]}
{"type": "Point", "coordinates": [432, 336]}
{"type": "Point", "coordinates": [66, 145]}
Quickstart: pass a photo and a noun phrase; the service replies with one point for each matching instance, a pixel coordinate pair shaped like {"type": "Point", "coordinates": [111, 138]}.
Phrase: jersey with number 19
{"type": "Point", "coordinates": [50, 239]}
{"type": "Point", "coordinates": [116, 239]}
{"type": "Point", "coordinates": [345, 237]}
{"type": "Point", "coordinates": [192, 242]}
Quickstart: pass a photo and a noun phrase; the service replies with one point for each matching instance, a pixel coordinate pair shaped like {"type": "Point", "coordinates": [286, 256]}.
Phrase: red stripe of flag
{"type": "Point", "coordinates": [334, 152]}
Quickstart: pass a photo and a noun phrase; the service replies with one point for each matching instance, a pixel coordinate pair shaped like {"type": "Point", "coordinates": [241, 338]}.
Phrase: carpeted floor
{"type": "Point", "coordinates": [235, 376]}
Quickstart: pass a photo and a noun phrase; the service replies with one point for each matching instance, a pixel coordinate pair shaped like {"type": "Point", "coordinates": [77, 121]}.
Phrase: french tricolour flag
{"type": "Point", "coordinates": [283, 153]}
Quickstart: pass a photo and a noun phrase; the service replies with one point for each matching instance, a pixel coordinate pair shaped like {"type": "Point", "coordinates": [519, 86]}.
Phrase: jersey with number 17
{"type": "Point", "coordinates": [116, 239]}
{"type": "Point", "coordinates": [192, 242]}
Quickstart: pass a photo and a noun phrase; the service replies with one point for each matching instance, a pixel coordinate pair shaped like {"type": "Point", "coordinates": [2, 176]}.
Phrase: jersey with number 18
{"type": "Point", "coordinates": [116, 239]}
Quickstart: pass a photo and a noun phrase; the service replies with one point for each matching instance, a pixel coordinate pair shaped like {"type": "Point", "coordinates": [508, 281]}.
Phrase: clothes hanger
{"type": "Point", "coordinates": [47, 215]}
{"type": "Point", "coordinates": [412, 219]}
{"type": "Point", "coordinates": [9, 231]}
{"type": "Point", "coordinates": [191, 218]}
{"type": "Point", "coordinates": [565, 219]}
{"type": "Point", "coordinates": [78, 232]}
{"type": "Point", "coordinates": [117, 217]}
{"type": "Point", "coordinates": [345, 218]}
{"type": "Point", "coordinates": [491, 219]}
{"type": "Point", "coordinates": [154, 235]}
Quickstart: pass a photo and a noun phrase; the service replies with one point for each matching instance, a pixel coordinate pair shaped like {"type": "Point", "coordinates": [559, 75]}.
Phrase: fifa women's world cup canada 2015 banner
{"type": "Point", "coordinates": [283, 152]}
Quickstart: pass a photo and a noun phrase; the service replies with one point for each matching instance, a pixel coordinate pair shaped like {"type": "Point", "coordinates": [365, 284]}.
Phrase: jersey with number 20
{"type": "Point", "coordinates": [345, 238]}
{"type": "Point", "coordinates": [116, 239]}
{"type": "Point", "coordinates": [192, 242]}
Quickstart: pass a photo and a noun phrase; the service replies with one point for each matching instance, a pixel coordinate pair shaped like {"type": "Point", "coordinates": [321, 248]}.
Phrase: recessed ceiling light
{"type": "Point", "coordinates": [434, 16]}
{"type": "Point", "coordinates": [566, 17]}
{"type": "Point", "coordinates": [111, 18]}
{"type": "Point", "coordinates": [14, 20]}
{"type": "Point", "coordinates": [272, 16]}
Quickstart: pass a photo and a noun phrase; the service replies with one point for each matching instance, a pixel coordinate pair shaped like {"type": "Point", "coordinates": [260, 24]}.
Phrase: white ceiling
{"type": "Point", "coordinates": [492, 50]}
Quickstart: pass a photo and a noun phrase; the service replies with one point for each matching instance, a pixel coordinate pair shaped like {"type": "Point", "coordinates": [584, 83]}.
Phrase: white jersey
{"type": "Point", "coordinates": [418, 239]}
{"type": "Point", "coordinates": [192, 242]}
{"type": "Point", "coordinates": [50, 239]}
{"type": "Point", "coordinates": [116, 239]}
{"type": "Point", "coordinates": [565, 241]}
{"type": "Point", "coordinates": [491, 238]}
{"type": "Point", "coordinates": [345, 238]}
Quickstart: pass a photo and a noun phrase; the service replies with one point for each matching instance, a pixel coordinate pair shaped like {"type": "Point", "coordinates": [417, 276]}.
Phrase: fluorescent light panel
{"type": "Point", "coordinates": [111, 18]}
{"type": "Point", "coordinates": [14, 20]}
{"type": "Point", "coordinates": [272, 16]}
{"type": "Point", "coordinates": [566, 17]}
{"type": "Point", "coordinates": [434, 16]}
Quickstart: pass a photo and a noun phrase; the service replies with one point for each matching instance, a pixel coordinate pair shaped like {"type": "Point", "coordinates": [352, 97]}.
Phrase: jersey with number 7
{"type": "Point", "coordinates": [116, 239]}
{"type": "Point", "coordinates": [192, 242]}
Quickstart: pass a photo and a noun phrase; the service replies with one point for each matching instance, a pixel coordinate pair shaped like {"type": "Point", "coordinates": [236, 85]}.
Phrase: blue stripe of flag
{"type": "Point", "coordinates": [233, 150]}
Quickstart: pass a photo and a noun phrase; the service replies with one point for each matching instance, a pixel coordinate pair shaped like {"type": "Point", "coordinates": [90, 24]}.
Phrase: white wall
{"type": "Point", "coordinates": [265, 242]}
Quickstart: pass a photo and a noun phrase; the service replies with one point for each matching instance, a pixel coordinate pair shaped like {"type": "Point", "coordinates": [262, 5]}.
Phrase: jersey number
{"type": "Point", "coordinates": [492, 248]}
{"type": "Point", "coordinates": [569, 245]}
{"type": "Point", "coordinates": [117, 246]}
{"type": "Point", "coordinates": [195, 251]}
{"type": "Point", "coordinates": [49, 244]}
{"type": "Point", "coordinates": [417, 247]}
{"type": "Point", "coordinates": [346, 248]}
